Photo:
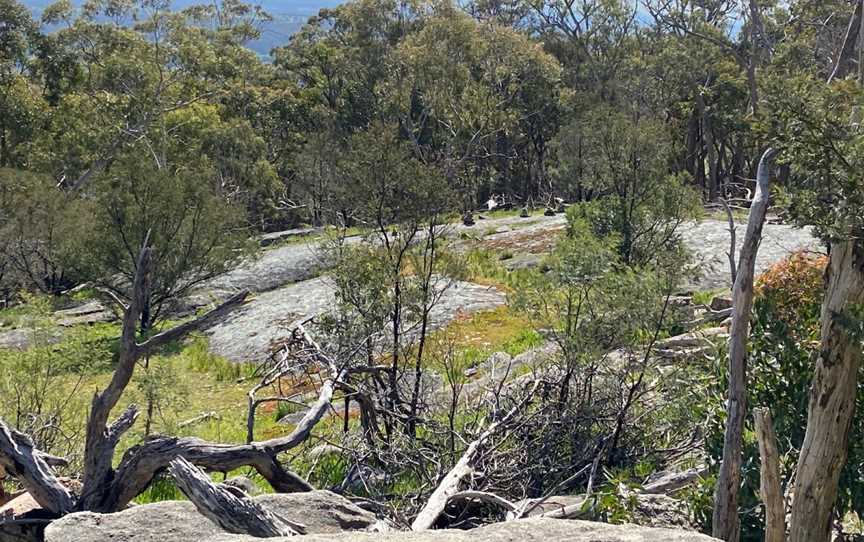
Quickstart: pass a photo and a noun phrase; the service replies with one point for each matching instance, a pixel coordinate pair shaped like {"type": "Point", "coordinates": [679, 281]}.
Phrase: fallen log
{"type": "Point", "coordinates": [578, 510]}
{"type": "Point", "coordinates": [228, 509]}
{"type": "Point", "coordinates": [19, 458]}
{"type": "Point", "coordinates": [449, 486]}
{"type": "Point", "coordinates": [212, 415]}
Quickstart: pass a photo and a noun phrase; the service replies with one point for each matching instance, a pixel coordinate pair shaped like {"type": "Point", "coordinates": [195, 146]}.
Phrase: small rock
{"type": "Point", "coordinates": [523, 212]}
{"type": "Point", "coordinates": [549, 212]}
{"type": "Point", "coordinates": [498, 360]}
{"type": "Point", "coordinates": [91, 312]}
{"type": "Point", "coordinates": [719, 303]}
{"type": "Point", "coordinates": [324, 450]}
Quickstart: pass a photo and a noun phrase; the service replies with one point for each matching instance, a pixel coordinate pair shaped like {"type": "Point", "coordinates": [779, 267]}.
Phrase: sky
{"type": "Point", "coordinates": [288, 17]}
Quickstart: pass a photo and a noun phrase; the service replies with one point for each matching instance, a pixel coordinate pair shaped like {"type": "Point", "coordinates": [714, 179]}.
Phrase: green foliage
{"type": "Point", "coordinates": [197, 357]}
{"type": "Point", "coordinates": [162, 488]}
{"type": "Point", "coordinates": [394, 186]}
{"type": "Point", "coordinates": [38, 226]}
{"type": "Point", "coordinates": [329, 470]}
{"type": "Point", "coordinates": [625, 165]}
{"type": "Point", "coordinates": [195, 233]}
{"type": "Point", "coordinates": [526, 340]}
{"type": "Point", "coordinates": [34, 395]}
{"type": "Point", "coordinates": [616, 501]}
{"type": "Point", "coordinates": [816, 126]}
{"type": "Point", "coordinates": [160, 389]}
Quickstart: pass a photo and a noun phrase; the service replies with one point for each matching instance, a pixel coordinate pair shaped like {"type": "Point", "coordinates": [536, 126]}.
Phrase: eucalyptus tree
{"type": "Point", "coordinates": [624, 162]}
{"type": "Point", "coordinates": [824, 149]}
{"type": "Point", "coordinates": [464, 92]}
{"type": "Point", "coordinates": [21, 106]}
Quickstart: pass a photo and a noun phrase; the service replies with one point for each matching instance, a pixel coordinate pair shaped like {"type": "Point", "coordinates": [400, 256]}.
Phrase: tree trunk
{"type": "Point", "coordinates": [710, 149]}
{"type": "Point", "coordinates": [845, 61]}
{"type": "Point", "coordinates": [832, 398]}
{"type": "Point", "coordinates": [769, 484]}
{"type": "Point", "coordinates": [726, 524]}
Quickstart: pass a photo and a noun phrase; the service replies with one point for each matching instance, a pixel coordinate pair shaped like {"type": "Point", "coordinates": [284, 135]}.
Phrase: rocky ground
{"type": "Point", "coordinates": [283, 275]}
{"type": "Point", "coordinates": [329, 517]}
{"type": "Point", "coordinates": [249, 333]}
{"type": "Point", "coordinates": [287, 283]}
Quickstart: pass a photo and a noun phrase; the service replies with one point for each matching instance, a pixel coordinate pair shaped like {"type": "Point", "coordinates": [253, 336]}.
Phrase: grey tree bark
{"type": "Point", "coordinates": [20, 459]}
{"type": "Point", "coordinates": [726, 523]}
{"type": "Point", "coordinates": [770, 488]}
{"type": "Point", "coordinates": [449, 486]}
{"type": "Point", "coordinates": [832, 398]}
{"type": "Point", "coordinates": [227, 508]}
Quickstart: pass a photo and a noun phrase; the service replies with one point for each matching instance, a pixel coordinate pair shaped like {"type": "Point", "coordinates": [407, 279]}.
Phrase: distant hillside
{"type": "Point", "coordinates": [288, 17]}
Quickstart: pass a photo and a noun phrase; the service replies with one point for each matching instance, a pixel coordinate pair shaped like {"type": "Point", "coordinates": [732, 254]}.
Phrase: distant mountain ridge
{"type": "Point", "coordinates": [288, 17]}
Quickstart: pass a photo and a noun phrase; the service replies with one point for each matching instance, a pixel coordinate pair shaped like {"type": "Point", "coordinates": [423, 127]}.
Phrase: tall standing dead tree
{"type": "Point", "coordinates": [726, 523]}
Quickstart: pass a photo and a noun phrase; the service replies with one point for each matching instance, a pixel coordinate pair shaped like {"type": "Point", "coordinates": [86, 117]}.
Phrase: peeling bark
{"type": "Point", "coordinates": [832, 398]}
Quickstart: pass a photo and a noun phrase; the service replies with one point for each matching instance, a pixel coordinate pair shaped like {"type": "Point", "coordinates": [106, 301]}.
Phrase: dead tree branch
{"type": "Point", "coordinates": [726, 524]}
{"type": "Point", "coordinates": [449, 486]}
{"type": "Point", "coordinates": [733, 270]}
{"type": "Point", "coordinates": [228, 509]}
{"type": "Point", "coordinates": [20, 459]}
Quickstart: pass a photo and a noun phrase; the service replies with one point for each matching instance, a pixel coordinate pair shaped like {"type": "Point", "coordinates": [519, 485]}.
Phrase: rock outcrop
{"type": "Point", "coordinates": [322, 512]}
{"type": "Point", "coordinates": [332, 518]}
{"type": "Point", "coordinates": [529, 530]}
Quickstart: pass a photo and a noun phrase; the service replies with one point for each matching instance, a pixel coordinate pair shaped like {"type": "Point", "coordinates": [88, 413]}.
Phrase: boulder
{"type": "Point", "coordinates": [90, 312]}
{"type": "Point", "coordinates": [21, 504]}
{"type": "Point", "coordinates": [22, 520]}
{"type": "Point", "coordinates": [322, 512]}
{"type": "Point", "coordinates": [671, 481]}
{"type": "Point", "coordinates": [529, 530]}
{"type": "Point", "coordinates": [650, 510]}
